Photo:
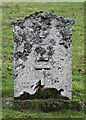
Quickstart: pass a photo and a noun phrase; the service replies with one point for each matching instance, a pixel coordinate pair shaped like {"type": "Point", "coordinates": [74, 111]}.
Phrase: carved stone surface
{"type": "Point", "coordinates": [42, 52]}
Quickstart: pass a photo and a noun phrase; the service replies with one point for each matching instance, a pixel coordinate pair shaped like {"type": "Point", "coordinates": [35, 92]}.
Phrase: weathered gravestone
{"type": "Point", "coordinates": [42, 52]}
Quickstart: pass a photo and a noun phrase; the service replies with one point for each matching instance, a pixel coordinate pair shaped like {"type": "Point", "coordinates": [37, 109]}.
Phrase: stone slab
{"type": "Point", "coordinates": [42, 52]}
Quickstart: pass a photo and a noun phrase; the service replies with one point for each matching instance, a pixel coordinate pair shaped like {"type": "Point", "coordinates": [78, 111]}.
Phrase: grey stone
{"type": "Point", "coordinates": [8, 102]}
{"type": "Point", "coordinates": [45, 14]}
{"type": "Point", "coordinates": [42, 51]}
{"type": "Point", "coordinates": [60, 18]}
{"type": "Point", "coordinates": [8, 99]}
{"type": "Point", "coordinates": [72, 21]}
{"type": "Point", "coordinates": [17, 38]}
{"type": "Point", "coordinates": [66, 20]}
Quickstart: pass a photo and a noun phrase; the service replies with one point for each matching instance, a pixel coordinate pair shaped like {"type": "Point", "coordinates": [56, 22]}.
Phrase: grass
{"type": "Point", "coordinates": [37, 114]}
{"type": "Point", "coordinates": [17, 10]}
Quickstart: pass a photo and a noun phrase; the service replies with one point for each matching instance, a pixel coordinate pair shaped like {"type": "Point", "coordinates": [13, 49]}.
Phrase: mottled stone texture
{"type": "Point", "coordinates": [42, 52]}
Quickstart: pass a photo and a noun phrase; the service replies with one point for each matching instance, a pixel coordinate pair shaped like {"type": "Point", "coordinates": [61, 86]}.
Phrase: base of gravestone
{"type": "Point", "coordinates": [47, 105]}
{"type": "Point", "coordinates": [43, 93]}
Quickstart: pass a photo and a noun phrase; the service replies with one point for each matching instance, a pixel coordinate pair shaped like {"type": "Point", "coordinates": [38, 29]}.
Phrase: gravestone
{"type": "Point", "coordinates": [42, 52]}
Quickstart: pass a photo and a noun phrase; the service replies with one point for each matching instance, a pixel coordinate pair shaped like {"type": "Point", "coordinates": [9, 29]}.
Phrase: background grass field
{"type": "Point", "coordinates": [13, 11]}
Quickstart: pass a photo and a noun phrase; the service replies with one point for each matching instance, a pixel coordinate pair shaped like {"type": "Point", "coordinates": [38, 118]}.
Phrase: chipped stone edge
{"type": "Point", "coordinates": [14, 22]}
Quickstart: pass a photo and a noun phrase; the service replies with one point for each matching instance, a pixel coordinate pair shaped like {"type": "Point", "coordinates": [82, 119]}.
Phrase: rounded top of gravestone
{"type": "Point", "coordinates": [42, 16]}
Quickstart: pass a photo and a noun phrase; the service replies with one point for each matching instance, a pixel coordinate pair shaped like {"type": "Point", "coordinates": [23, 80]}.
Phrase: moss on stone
{"type": "Point", "coordinates": [39, 94]}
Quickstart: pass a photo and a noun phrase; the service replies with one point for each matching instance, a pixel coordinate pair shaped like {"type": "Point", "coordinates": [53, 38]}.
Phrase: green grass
{"type": "Point", "coordinates": [38, 114]}
{"type": "Point", "coordinates": [13, 11]}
